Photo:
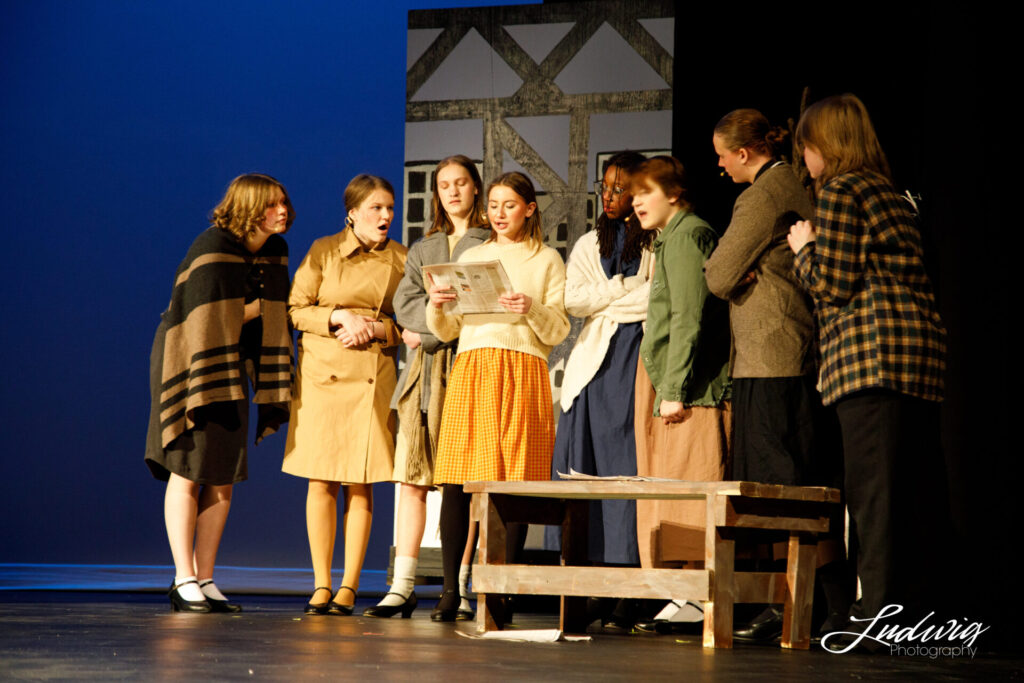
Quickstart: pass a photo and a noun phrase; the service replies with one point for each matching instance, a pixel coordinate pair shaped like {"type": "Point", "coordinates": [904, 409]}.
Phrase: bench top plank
{"type": "Point", "coordinates": [676, 489]}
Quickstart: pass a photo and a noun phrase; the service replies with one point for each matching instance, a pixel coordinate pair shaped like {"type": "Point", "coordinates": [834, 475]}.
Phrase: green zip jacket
{"type": "Point", "coordinates": [686, 345]}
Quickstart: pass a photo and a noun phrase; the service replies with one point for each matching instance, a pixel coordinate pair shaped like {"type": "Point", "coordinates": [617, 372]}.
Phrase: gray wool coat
{"type": "Point", "coordinates": [411, 297]}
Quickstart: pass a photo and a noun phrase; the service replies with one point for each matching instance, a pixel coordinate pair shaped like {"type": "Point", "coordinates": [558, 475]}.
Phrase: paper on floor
{"type": "Point", "coordinates": [544, 635]}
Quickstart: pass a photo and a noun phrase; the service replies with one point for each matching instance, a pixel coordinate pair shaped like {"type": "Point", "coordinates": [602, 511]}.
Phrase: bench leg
{"type": "Point", "coordinates": [490, 613]}
{"type": "Point", "coordinates": [575, 530]}
{"type": "Point", "coordinates": [720, 562]}
{"type": "Point", "coordinates": [796, 618]}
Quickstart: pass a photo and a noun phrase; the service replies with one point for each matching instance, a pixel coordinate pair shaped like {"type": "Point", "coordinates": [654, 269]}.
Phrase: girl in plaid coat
{"type": "Point", "coordinates": [882, 349]}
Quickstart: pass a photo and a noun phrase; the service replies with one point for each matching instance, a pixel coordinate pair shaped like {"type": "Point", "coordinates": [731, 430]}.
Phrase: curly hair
{"type": "Point", "coordinates": [636, 239]}
{"type": "Point", "coordinates": [244, 206]}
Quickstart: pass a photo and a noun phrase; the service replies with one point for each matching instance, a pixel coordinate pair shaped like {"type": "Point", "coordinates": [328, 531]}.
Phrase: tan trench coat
{"type": "Point", "coordinates": [342, 427]}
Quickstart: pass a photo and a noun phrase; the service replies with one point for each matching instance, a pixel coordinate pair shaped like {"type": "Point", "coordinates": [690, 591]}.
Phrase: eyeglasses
{"type": "Point", "coordinates": [600, 188]}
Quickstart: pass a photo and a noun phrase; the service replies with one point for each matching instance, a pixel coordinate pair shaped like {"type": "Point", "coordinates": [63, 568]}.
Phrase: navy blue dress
{"type": "Point", "coordinates": [595, 436]}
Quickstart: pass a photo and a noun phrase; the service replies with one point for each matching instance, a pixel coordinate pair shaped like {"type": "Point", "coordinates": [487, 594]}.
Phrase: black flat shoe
{"type": "Point", "coordinates": [465, 615]}
{"type": "Point", "coordinates": [834, 622]}
{"type": "Point", "coordinates": [339, 610]}
{"type": "Point", "coordinates": [766, 627]}
{"type": "Point", "coordinates": [664, 627]}
{"type": "Point", "coordinates": [447, 608]}
{"type": "Point", "coordinates": [180, 604]}
{"type": "Point", "coordinates": [388, 611]}
{"type": "Point", "coordinates": [318, 607]}
{"type": "Point", "coordinates": [220, 605]}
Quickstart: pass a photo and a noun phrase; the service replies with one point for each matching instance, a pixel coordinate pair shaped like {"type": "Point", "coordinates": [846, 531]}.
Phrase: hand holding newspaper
{"type": "Point", "coordinates": [477, 284]}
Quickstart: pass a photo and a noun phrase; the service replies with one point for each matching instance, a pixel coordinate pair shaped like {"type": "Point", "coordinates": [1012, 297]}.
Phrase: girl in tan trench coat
{"type": "Point", "coordinates": [342, 427]}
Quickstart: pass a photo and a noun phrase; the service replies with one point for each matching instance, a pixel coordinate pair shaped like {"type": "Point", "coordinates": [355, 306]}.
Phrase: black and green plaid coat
{"type": "Point", "coordinates": [877, 321]}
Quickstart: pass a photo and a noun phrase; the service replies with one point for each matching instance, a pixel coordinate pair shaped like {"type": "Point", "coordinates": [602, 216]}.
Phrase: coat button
{"type": "Point", "coordinates": [369, 381]}
{"type": "Point", "coordinates": [334, 378]}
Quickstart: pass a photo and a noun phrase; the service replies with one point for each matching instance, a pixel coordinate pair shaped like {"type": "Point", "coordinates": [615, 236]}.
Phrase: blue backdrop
{"type": "Point", "coordinates": [122, 123]}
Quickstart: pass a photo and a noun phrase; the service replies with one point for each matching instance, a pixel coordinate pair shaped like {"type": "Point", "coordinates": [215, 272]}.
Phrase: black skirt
{"type": "Point", "coordinates": [782, 433]}
{"type": "Point", "coordinates": [214, 450]}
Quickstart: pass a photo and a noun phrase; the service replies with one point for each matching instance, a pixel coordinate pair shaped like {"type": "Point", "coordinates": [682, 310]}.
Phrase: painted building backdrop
{"type": "Point", "coordinates": [547, 90]}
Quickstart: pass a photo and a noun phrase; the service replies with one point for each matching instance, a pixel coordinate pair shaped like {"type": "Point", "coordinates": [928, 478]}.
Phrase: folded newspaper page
{"type": "Point", "coordinates": [579, 476]}
{"type": "Point", "coordinates": [477, 284]}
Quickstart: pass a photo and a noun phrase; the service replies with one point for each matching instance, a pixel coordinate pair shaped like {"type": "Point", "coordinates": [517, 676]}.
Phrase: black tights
{"type": "Point", "coordinates": [455, 529]}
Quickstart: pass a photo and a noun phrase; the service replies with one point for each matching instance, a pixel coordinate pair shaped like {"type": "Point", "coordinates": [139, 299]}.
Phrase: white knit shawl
{"type": "Point", "coordinates": [604, 303]}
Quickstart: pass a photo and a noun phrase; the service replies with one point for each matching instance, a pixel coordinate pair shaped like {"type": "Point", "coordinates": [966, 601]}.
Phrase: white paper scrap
{"type": "Point", "coordinates": [543, 635]}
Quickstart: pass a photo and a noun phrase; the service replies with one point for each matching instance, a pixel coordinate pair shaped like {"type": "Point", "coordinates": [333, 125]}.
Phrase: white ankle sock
{"type": "Point", "coordinates": [689, 613]}
{"type": "Point", "coordinates": [189, 591]}
{"type": "Point", "coordinates": [681, 611]}
{"type": "Point", "coordinates": [464, 573]}
{"type": "Point", "coordinates": [403, 583]}
{"type": "Point", "coordinates": [210, 589]}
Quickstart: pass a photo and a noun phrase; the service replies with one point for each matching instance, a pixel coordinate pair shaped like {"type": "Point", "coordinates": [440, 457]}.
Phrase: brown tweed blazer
{"type": "Point", "coordinates": [771, 318]}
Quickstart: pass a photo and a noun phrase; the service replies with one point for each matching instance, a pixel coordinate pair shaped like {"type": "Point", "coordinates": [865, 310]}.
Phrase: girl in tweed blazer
{"type": "Point", "coordinates": [780, 435]}
{"type": "Point", "coordinates": [882, 348]}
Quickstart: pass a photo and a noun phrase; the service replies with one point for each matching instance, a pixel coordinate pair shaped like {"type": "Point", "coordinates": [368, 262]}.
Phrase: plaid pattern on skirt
{"type": "Point", "coordinates": [498, 419]}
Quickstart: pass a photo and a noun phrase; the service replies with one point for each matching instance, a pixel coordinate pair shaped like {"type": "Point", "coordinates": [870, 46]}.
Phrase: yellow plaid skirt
{"type": "Point", "coordinates": [498, 419]}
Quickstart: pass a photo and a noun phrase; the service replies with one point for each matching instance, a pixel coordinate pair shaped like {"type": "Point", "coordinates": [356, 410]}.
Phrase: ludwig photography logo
{"type": "Point", "coordinates": [951, 638]}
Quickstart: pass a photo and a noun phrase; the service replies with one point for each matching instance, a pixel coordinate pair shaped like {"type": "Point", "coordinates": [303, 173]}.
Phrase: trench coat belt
{"type": "Point", "coordinates": [363, 311]}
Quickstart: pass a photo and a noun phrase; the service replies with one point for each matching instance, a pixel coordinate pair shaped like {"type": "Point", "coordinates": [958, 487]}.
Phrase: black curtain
{"type": "Point", "coordinates": [938, 94]}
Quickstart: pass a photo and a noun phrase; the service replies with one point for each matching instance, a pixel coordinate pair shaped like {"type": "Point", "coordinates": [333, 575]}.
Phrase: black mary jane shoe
{"type": "Point", "coordinates": [447, 608]}
{"type": "Point", "coordinates": [388, 611]}
{"type": "Point", "coordinates": [318, 607]}
{"type": "Point", "coordinates": [765, 628]}
{"type": "Point", "coordinates": [220, 605]}
{"type": "Point", "coordinates": [339, 610]}
{"type": "Point", "coordinates": [464, 614]}
{"type": "Point", "coordinates": [180, 604]}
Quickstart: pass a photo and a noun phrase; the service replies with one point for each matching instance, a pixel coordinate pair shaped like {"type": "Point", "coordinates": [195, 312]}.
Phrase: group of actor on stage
{"type": "Point", "coordinates": [802, 347]}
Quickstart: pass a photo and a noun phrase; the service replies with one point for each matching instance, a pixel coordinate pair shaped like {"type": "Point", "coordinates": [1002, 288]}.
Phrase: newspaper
{"type": "Point", "coordinates": [579, 476]}
{"type": "Point", "coordinates": [477, 284]}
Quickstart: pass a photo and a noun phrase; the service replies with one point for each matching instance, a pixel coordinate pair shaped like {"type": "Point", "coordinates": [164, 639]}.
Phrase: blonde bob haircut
{"type": "Point", "coordinates": [244, 207]}
{"type": "Point", "coordinates": [521, 185]}
{"type": "Point", "coordinates": [840, 130]}
{"type": "Point", "coordinates": [439, 217]}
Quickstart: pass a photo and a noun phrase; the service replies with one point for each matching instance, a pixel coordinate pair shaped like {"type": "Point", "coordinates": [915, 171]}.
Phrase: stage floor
{"type": "Point", "coordinates": [134, 636]}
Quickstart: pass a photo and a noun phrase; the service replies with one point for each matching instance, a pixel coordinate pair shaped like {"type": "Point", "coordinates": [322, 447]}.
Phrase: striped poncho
{"type": "Point", "coordinates": [197, 354]}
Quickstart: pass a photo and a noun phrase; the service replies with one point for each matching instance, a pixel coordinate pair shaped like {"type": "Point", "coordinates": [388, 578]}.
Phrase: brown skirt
{"type": "Point", "coordinates": [672, 531]}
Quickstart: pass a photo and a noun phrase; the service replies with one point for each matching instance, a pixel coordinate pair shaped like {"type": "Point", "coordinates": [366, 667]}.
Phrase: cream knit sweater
{"type": "Point", "coordinates": [536, 272]}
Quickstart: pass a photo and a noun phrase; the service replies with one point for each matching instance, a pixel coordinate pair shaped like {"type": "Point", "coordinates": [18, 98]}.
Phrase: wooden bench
{"type": "Point", "coordinates": [734, 508]}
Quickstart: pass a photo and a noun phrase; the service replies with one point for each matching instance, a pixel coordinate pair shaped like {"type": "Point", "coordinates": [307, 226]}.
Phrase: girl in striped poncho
{"type": "Point", "coordinates": [226, 324]}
